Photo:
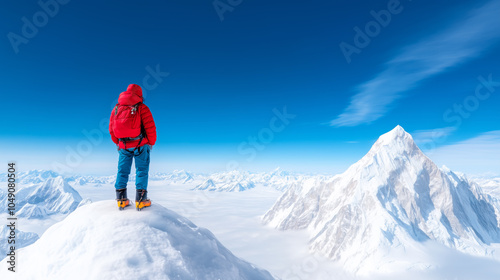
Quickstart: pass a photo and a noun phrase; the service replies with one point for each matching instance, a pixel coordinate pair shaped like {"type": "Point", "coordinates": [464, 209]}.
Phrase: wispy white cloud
{"type": "Point", "coordinates": [464, 40]}
{"type": "Point", "coordinates": [477, 155]}
{"type": "Point", "coordinates": [437, 135]}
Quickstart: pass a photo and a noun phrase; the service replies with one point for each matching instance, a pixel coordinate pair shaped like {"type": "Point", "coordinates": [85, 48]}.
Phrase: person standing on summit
{"type": "Point", "coordinates": [133, 130]}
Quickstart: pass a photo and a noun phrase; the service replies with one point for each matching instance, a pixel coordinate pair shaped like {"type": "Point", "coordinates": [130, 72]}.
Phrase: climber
{"type": "Point", "coordinates": [133, 130]}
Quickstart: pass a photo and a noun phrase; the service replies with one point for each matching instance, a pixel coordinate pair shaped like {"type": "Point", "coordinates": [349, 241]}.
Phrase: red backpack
{"type": "Point", "coordinates": [127, 124]}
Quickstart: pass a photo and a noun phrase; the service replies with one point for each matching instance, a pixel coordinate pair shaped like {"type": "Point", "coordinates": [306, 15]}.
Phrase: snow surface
{"type": "Point", "coordinates": [386, 206]}
{"type": "Point", "coordinates": [235, 219]}
{"type": "Point", "coordinates": [99, 242]}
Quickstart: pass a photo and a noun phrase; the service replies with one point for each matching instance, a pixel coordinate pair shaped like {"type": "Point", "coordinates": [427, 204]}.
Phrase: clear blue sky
{"type": "Point", "coordinates": [226, 79]}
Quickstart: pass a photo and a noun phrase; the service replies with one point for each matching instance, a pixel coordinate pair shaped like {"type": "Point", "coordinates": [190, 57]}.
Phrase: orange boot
{"type": "Point", "coordinates": [121, 198]}
{"type": "Point", "coordinates": [141, 199]}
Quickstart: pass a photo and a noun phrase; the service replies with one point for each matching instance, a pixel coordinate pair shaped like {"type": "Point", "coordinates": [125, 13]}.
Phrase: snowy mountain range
{"type": "Point", "coordinates": [386, 206]}
{"type": "Point", "coordinates": [79, 180]}
{"type": "Point", "coordinates": [98, 242]}
{"type": "Point", "coordinates": [31, 176]}
{"type": "Point", "coordinates": [237, 181]}
{"type": "Point", "coordinates": [232, 181]}
{"type": "Point", "coordinates": [176, 177]}
{"type": "Point", "coordinates": [281, 180]}
{"type": "Point", "coordinates": [228, 181]}
{"type": "Point", "coordinates": [54, 195]}
{"type": "Point", "coordinates": [490, 186]}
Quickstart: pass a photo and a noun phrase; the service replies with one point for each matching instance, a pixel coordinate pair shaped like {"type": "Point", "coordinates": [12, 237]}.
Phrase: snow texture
{"type": "Point", "coordinates": [386, 206]}
{"type": "Point", "coordinates": [22, 239]}
{"type": "Point", "coordinates": [489, 185]}
{"type": "Point", "coordinates": [99, 242]}
{"type": "Point", "coordinates": [54, 195]}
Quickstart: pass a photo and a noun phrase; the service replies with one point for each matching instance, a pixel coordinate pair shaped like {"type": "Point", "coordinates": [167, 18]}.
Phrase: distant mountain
{"type": "Point", "coordinates": [384, 205]}
{"type": "Point", "coordinates": [177, 176]}
{"type": "Point", "coordinates": [99, 242]}
{"type": "Point", "coordinates": [208, 185]}
{"type": "Point", "coordinates": [238, 181]}
{"type": "Point", "coordinates": [31, 177]}
{"type": "Point", "coordinates": [35, 176]}
{"type": "Point", "coordinates": [279, 179]}
{"type": "Point", "coordinates": [33, 211]}
{"type": "Point", "coordinates": [232, 181]}
{"type": "Point", "coordinates": [490, 186]}
{"type": "Point", "coordinates": [23, 239]}
{"type": "Point", "coordinates": [79, 180]}
{"type": "Point", "coordinates": [54, 195]}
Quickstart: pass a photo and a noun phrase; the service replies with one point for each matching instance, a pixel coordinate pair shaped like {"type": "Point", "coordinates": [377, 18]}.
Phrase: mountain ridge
{"type": "Point", "coordinates": [393, 197]}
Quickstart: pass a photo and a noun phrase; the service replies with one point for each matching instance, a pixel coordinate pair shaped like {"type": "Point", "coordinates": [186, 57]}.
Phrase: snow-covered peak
{"type": "Point", "coordinates": [180, 172]}
{"type": "Point", "coordinates": [279, 172]}
{"type": "Point", "coordinates": [31, 211]}
{"type": "Point", "coordinates": [391, 153]}
{"type": "Point", "coordinates": [390, 200]}
{"type": "Point", "coordinates": [99, 242]}
{"type": "Point", "coordinates": [395, 141]}
{"type": "Point", "coordinates": [445, 169]}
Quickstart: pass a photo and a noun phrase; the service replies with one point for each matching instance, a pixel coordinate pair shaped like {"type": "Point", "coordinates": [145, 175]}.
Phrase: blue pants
{"type": "Point", "coordinates": [141, 156]}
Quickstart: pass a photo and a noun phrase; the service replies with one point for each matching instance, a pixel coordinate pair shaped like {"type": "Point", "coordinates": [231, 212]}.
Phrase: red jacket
{"type": "Point", "coordinates": [132, 96]}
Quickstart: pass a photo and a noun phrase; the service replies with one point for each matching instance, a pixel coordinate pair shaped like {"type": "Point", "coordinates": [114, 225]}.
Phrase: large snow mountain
{"type": "Point", "coordinates": [385, 206]}
{"type": "Point", "coordinates": [99, 242]}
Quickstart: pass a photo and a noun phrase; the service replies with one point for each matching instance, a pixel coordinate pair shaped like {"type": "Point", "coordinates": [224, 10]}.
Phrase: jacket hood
{"type": "Point", "coordinates": [131, 96]}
